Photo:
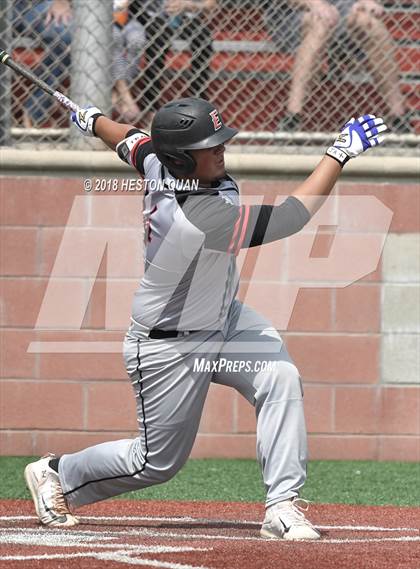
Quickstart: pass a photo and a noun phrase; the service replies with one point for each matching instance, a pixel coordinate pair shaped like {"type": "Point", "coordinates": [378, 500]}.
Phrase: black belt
{"type": "Point", "coordinates": [157, 334]}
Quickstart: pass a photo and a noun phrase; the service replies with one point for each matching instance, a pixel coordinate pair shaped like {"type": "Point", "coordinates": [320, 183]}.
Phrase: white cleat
{"type": "Point", "coordinates": [47, 494]}
{"type": "Point", "coordinates": [286, 520]}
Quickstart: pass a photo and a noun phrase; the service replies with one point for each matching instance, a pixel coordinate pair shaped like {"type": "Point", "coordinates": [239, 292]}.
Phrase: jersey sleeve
{"type": "Point", "coordinates": [135, 148]}
{"type": "Point", "coordinates": [230, 228]}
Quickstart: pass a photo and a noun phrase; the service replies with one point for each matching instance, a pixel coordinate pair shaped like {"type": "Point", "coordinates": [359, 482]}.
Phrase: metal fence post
{"type": "Point", "coordinates": [91, 55]}
{"type": "Point", "coordinates": [5, 79]}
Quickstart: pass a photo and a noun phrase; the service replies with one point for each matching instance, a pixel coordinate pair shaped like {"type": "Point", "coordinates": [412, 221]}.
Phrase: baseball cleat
{"type": "Point", "coordinates": [47, 494]}
{"type": "Point", "coordinates": [286, 520]}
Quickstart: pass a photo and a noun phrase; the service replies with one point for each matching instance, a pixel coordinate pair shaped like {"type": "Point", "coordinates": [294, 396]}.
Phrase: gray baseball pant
{"type": "Point", "coordinates": [170, 395]}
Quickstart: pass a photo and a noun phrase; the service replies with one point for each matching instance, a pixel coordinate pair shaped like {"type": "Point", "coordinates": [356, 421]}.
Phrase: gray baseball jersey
{"type": "Point", "coordinates": [190, 281]}
{"type": "Point", "coordinates": [187, 330]}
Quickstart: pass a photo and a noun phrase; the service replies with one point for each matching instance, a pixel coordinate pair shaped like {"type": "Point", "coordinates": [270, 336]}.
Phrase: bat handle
{"type": "Point", "coordinates": [65, 101]}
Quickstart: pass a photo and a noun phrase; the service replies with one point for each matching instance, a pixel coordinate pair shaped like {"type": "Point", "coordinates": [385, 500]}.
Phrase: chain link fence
{"type": "Point", "coordinates": [282, 71]}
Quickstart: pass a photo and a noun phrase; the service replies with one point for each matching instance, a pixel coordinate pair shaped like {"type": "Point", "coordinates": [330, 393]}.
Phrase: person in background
{"type": "Point", "coordinates": [191, 17]}
{"type": "Point", "coordinates": [129, 40]}
{"type": "Point", "coordinates": [350, 24]}
{"type": "Point", "coordinates": [48, 21]}
{"type": "Point", "coordinates": [162, 21]}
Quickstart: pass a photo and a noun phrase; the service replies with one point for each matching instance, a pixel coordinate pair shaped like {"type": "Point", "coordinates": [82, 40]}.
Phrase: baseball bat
{"type": "Point", "coordinates": [62, 99]}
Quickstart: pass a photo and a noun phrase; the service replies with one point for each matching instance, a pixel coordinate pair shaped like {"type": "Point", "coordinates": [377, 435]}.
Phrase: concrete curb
{"type": "Point", "coordinates": [103, 163]}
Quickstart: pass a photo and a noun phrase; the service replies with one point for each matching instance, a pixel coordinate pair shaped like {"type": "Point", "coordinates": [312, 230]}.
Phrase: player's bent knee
{"type": "Point", "coordinates": [168, 472]}
{"type": "Point", "coordinates": [281, 384]}
{"type": "Point", "coordinates": [156, 465]}
{"type": "Point", "coordinates": [159, 473]}
{"type": "Point", "coordinates": [291, 380]}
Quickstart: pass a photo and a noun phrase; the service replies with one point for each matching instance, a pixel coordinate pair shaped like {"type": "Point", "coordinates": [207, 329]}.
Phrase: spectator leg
{"type": "Point", "coordinates": [378, 46]}
{"type": "Point", "coordinates": [308, 60]}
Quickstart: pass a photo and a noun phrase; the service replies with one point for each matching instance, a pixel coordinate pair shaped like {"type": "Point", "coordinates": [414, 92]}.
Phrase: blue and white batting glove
{"type": "Point", "coordinates": [357, 136]}
{"type": "Point", "coordinates": [85, 119]}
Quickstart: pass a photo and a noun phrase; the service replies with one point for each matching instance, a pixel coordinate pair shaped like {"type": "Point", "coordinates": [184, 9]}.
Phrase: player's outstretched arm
{"type": "Point", "coordinates": [357, 136]}
{"type": "Point", "coordinates": [92, 122]}
{"type": "Point", "coordinates": [111, 132]}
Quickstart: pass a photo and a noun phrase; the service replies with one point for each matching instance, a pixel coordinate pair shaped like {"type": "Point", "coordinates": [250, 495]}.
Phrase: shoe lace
{"type": "Point", "coordinates": [48, 455]}
{"type": "Point", "coordinates": [58, 499]}
{"type": "Point", "coordinates": [301, 504]}
{"type": "Point", "coordinates": [293, 513]}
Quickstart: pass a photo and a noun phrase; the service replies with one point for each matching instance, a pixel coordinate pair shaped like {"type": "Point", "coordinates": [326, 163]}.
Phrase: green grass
{"type": "Point", "coordinates": [345, 482]}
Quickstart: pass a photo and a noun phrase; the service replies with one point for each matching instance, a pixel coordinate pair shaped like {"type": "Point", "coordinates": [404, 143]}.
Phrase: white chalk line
{"type": "Point", "coordinates": [61, 539]}
{"type": "Point", "coordinates": [186, 519]}
{"type": "Point", "coordinates": [206, 537]}
{"type": "Point", "coordinates": [369, 540]}
{"type": "Point", "coordinates": [127, 554]}
{"type": "Point", "coordinates": [121, 552]}
{"type": "Point", "coordinates": [56, 541]}
{"type": "Point", "coordinates": [132, 554]}
{"type": "Point", "coordinates": [366, 528]}
{"type": "Point", "coordinates": [115, 556]}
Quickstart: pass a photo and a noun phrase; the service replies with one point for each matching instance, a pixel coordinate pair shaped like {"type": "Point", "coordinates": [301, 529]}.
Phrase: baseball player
{"type": "Point", "coordinates": [186, 320]}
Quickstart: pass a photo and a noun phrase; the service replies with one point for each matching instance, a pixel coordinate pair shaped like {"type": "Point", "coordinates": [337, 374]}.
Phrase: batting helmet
{"type": "Point", "coordinates": [183, 125]}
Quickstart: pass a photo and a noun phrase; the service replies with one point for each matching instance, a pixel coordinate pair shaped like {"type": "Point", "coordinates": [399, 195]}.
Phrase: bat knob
{"type": "Point", "coordinates": [3, 56]}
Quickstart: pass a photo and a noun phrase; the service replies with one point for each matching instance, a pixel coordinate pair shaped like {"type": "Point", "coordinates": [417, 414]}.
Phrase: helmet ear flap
{"type": "Point", "coordinates": [181, 163]}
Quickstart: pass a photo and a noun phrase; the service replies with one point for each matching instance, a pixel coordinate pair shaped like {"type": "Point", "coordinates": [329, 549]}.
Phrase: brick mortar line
{"type": "Point", "coordinates": [47, 277]}
{"type": "Point", "coordinates": [39, 249]}
{"type": "Point", "coordinates": [334, 306]}
{"type": "Point", "coordinates": [81, 381]}
{"type": "Point", "coordinates": [81, 278]}
{"type": "Point", "coordinates": [61, 331]}
{"type": "Point", "coordinates": [138, 227]}
{"type": "Point", "coordinates": [118, 381]}
{"type": "Point", "coordinates": [62, 430]}
{"type": "Point", "coordinates": [85, 405]}
{"type": "Point", "coordinates": [285, 333]}
{"type": "Point", "coordinates": [322, 434]}
{"type": "Point", "coordinates": [41, 227]}
{"type": "Point", "coordinates": [379, 435]}
{"type": "Point", "coordinates": [325, 285]}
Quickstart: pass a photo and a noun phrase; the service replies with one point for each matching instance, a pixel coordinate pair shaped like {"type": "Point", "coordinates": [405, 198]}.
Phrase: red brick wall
{"type": "Point", "coordinates": [340, 339]}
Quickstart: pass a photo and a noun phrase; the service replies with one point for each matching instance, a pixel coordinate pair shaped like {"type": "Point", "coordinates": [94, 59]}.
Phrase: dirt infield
{"type": "Point", "coordinates": [207, 535]}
